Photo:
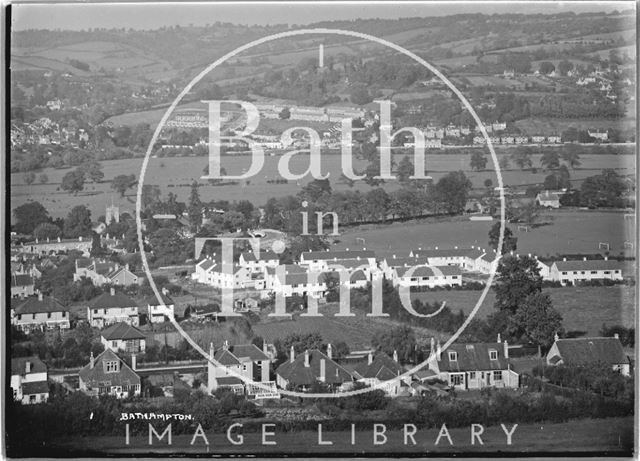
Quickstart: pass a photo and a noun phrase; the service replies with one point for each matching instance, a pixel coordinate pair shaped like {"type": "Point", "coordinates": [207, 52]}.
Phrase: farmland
{"type": "Point", "coordinates": [175, 174]}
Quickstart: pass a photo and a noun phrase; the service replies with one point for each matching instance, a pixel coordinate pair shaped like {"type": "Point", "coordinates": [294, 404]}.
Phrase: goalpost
{"type": "Point", "coordinates": [602, 245]}
{"type": "Point", "coordinates": [523, 228]}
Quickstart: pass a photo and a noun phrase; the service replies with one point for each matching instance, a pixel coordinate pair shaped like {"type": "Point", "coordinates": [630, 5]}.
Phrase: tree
{"type": "Point", "coordinates": [546, 67]}
{"type": "Point", "coordinates": [78, 222]}
{"type": "Point", "coordinates": [536, 320]}
{"type": "Point", "coordinates": [478, 161]}
{"type": "Point", "coordinates": [488, 183]}
{"type": "Point", "coordinates": [517, 278]}
{"type": "Point", "coordinates": [47, 231]}
{"type": "Point", "coordinates": [400, 339]}
{"type": "Point", "coordinates": [550, 160]}
{"type": "Point", "coordinates": [564, 67]}
{"type": "Point", "coordinates": [43, 178]}
{"type": "Point", "coordinates": [605, 189]}
{"type": "Point", "coordinates": [405, 169]}
{"type": "Point", "coordinates": [452, 191]}
{"type": "Point", "coordinates": [509, 242]}
{"type": "Point", "coordinates": [73, 181]}
{"type": "Point", "coordinates": [123, 182]}
{"type": "Point", "coordinates": [504, 162]}
{"type": "Point", "coordinates": [522, 158]}
{"type": "Point", "coordinates": [93, 170]}
{"type": "Point", "coordinates": [285, 113]}
{"type": "Point", "coordinates": [571, 157]}
{"type": "Point", "coordinates": [29, 216]}
{"type": "Point", "coordinates": [29, 178]}
{"type": "Point", "coordinates": [195, 207]}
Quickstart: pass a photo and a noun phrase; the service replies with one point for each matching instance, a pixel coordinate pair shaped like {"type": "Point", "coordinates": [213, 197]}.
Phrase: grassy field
{"type": "Point", "coordinates": [175, 174]}
{"type": "Point", "coordinates": [611, 435]}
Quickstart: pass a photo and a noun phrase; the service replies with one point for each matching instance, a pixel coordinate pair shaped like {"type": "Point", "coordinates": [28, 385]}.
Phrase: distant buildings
{"type": "Point", "coordinates": [108, 374]}
{"type": "Point", "coordinates": [590, 351]}
{"type": "Point", "coordinates": [575, 271]}
{"type": "Point", "coordinates": [40, 313]}
{"type": "Point", "coordinates": [29, 380]}
{"type": "Point", "coordinates": [22, 285]}
{"type": "Point", "coordinates": [549, 198]}
{"type": "Point", "coordinates": [105, 272]}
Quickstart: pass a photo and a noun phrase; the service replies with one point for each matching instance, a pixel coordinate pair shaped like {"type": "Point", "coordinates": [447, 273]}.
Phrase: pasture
{"type": "Point", "coordinates": [175, 174]}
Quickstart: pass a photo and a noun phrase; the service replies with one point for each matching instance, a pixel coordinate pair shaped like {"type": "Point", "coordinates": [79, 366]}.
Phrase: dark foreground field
{"type": "Point", "coordinates": [612, 436]}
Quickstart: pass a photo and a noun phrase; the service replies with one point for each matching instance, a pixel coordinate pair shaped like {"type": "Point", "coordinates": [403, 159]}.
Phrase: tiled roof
{"type": "Point", "coordinates": [349, 263]}
{"type": "Point", "coordinates": [97, 376]}
{"type": "Point", "coordinates": [581, 351]}
{"type": "Point", "coordinates": [358, 275]}
{"type": "Point", "coordinates": [382, 367]}
{"type": "Point", "coordinates": [473, 357]}
{"type": "Point", "coordinates": [206, 264]}
{"type": "Point", "coordinates": [33, 305]}
{"type": "Point", "coordinates": [36, 387]}
{"type": "Point", "coordinates": [121, 330]}
{"type": "Point", "coordinates": [226, 357]}
{"type": "Point", "coordinates": [21, 280]}
{"type": "Point", "coordinates": [327, 255]}
{"type": "Point", "coordinates": [589, 264]}
{"type": "Point", "coordinates": [264, 256]}
{"type": "Point", "coordinates": [299, 375]}
{"type": "Point", "coordinates": [409, 261]}
{"type": "Point", "coordinates": [430, 271]}
{"type": "Point", "coordinates": [250, 351]}
{"type": "Point", "coordinates": [228, 381]}
{"type": "Point", "coordinates": [106, 301]}
{"type": "Point", "coordinates": [19, 365]}
{"type": "Point", "coordinates": [548, 195]}
{"type": "Point", "coordinates": [450, 252]}
{"type": "Point", "coordinates": [153, 300]}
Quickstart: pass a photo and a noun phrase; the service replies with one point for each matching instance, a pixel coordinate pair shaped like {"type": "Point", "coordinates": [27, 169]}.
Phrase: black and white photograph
{"type": "Point", "coordinates": [320, 229]}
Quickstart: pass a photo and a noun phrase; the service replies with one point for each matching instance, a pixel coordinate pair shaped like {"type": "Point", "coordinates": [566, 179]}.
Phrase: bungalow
{"type": "Point", "coordinates": [474, 366]}
{"type": "Point", "coordinates": [40, 313]}
{"type": "Point", "coordinates": [312, 367]}
{"type": "Point", "coordinates": [122, 337]}
{"type": "Point", "coordinates": [584, 270]}
{"type": "Point", "coordinates": [586, 351]}
{"type": "Point", "coordinates": [291, 279]}
{"type": "Point", "coordinates": [22, 285]}
{"type": "Point", "coordinates": [382, 369]}
{"type": "Point", "coordinates": [29, 380]}
{"type": "Point", "coordinates": [549, 199]}
{"type": "Point", "coordinates": [108, 374]}
{"type": "Point", "coordinates": [247, 361]}
{"type": "Point", "coordinates": [160, 311]}
{"type": "Point", "coordinates": [112, 307]}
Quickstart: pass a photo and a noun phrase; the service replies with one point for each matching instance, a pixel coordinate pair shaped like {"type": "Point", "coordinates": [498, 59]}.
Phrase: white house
{"type": "Point", "coordinates": [428, 276]}
{"type": "Point", "coordinates": [40, 313]}
{"type": "Point", "coordinates": [29, 380]}
{"type": "Point", "coordinates": [589, 351]}
{"type": "Point", "coordinates": [319, 260]}
{"type": "Point", "coordinates": [122, 337]}
{"type": "Point", "coordinates": [210, 271]}
{"type": "Point", "coordinates": [572, 271]}
{"type": "Point", "coordinates": [22, 285]}
{"type": "Point", "coordinates": [112, 307]}
{"type": "Point", "coordinates": [601, 135]}
{"type": "Point", "coordinates": [105, 272]}
{"type": "Point", "coordinates": [265, 259]}
{"type": "Point", "coordinates": [549, 199]}
{"type": "Point", "coordinates": [157, 311]}
{"type": "Point", "coordinates": [474, 366]}
{"type": "Point", "coordinates": [291, 279]}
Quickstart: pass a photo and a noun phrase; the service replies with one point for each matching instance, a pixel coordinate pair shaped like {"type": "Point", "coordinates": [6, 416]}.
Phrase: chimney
{"type": "Point", "coordinates": [370, 358]}
{"type": "Point", "coordinates": [133, 362]}
{"type": "Point", "coordinates": [606, 258]}
{"type": "Point", "coordinates": [395, 356]}
{"type": "Point", "coordinates": [265, 349]}
{"type": "Point", "coordinates": [27, 367]}
{"type": "Point", "coordinates": [126, 266]}
{"type": "Point", "coordinates": [323, 370]}
{"type": "Point", "coordinates": [112, 291]}
{"type": "Point", "coordinates": [499, 338]}
{"type": "Point", "coordinates": [556, 337]}
{"type": "Point", "coordinates": [40, 297]}
{"type": "Point", "coordinates": [92, 361]}
{"type": "Point", "coordinates": [306, 358]}
{"type": "Point", "coordinates": [329, 351]}
{"type": "Point", "coordinates": [616, 335]}
{"type": "Point", "coordinates": [58, 239]}
{"type": "Point", "coordinates": [506, 349]}
{"type": "Point", "coordinates": [225, 345]}
{"type": "Point", "coordinates": [584, 258]}
{"type": "Point", "coordinates": [564, 259]}
{"type": "Point", "coordinates": [211, 351]}
{"type": "Point", "coordinates": [439, 351]}
{"type": "Point", "coordinates": [432, 348]}
{"type": "Point", "coordinates": [292, 354]}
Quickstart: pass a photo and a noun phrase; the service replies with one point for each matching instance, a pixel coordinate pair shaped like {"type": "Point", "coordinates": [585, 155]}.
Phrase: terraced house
{"type": "Point", "coordinates": [584, 270]}
{"type": "Point", "coordinates": [40, 313]}
{"type": "Point", "coordinates": [112, 307]}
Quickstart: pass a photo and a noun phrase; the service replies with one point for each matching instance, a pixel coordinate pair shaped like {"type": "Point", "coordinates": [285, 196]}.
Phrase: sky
{"type": "Point", "coordinates": [149, 15]}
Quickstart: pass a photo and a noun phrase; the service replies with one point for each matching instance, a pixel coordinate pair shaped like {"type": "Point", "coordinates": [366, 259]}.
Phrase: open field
{"type": "Point", "coordinates": [175, 174]}
{"type": "Point", "coordinates": [610, 435]}
{"type": "Point", "coordinates": [560, 237]}
{"type": "Point", "coordinates": [583, 309]}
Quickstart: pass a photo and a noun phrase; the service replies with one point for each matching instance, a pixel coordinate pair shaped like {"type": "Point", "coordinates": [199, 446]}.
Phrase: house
{"type": "Point", "coordinates": [291, 279]}
{"type": "Point", "coordinates": [537, 139]}
{"type": "Point", "coordinates": [22, 285]}
{"type": "Point", "coordinates": [382, 370]}
{"type": "Point", "coordinates": [554, 139]}
{"type": "Point", "coordinates": [479, 140]}
{"type": "Point", "coordinates": [549, 199]}
{"type": "Point", "coordinates": [499, 126]}
{"type": "Point", "coordinates": [160, 311]}
{"type": "Point", "coordinates": [265, 259]}
{"type": "Point", "coordinates": [309, 368]}
{"type": "Point", "coordinates": [40, 313]}
{"type": "Point", "coordinates": [601, 135]}
{"type": "Point", "coordinates": [29, 380]}
{"type": "Point", "coordinates": [243, 368]}
{"type": "Point", "coordinates": [573, 271]}
{"type": "Point", "coordinates": [474, 366]}
{"type": "Point", "coordinates": [122, 337]}
{"type": "Point", "coordinates": [211, 271]}
{"type": "Point", "coordinates": [105, 272]}
{"type": "Point", "coordinates": [427, 276]}
{"type": "Point", "coordinates": [587, 351]}
{"type": "Point", "coordinates": [433, 143]}
{"type": "Point", "coordinates": [108, 374]}
{"type": "Point", "coordinates": [318, 261]}
{"type": "Point", "coordinates": [112, 307]}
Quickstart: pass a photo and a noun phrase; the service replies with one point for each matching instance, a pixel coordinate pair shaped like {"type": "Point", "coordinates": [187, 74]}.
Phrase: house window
{"type": "Point", "coordinates": [32, 399]}
{"type": "Point", "coordinates": [48, 315]}
{"type": "Point", "coordinates": [607, 272]}
{"type": "Point", "coordinates": [64, 314]}
{"type": "Point", "coordinates": [19, 316]}
{"type": "Point", "coordinates": [245, 367]}
{"type": "Point", "coordinates": [456, 380]}
{"type": "Point", "coordinates": [114, 343]}
{"type": "Point", "coordinates": [493, 355]}
{"type": "Point", "coordinates": [111, 367]}
{"type": "Point", "coordinates": [582, 272]}
{"type": "Point", "coordinates": [453, 356]}
{"type": "Point", "coordinates": [594, 272]}
{"type": "Point", "coordinates": [497, 375]}
{"type": "Point", "coordinates": [472, 375]}
{"type": "Point", "coordinates": [95, 311]}
{"type": "Point", "coordinates": [564, 273]}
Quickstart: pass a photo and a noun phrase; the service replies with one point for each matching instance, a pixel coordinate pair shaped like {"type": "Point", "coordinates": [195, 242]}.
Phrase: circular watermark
{"type": "Point", "coordinates": [387, 44]}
